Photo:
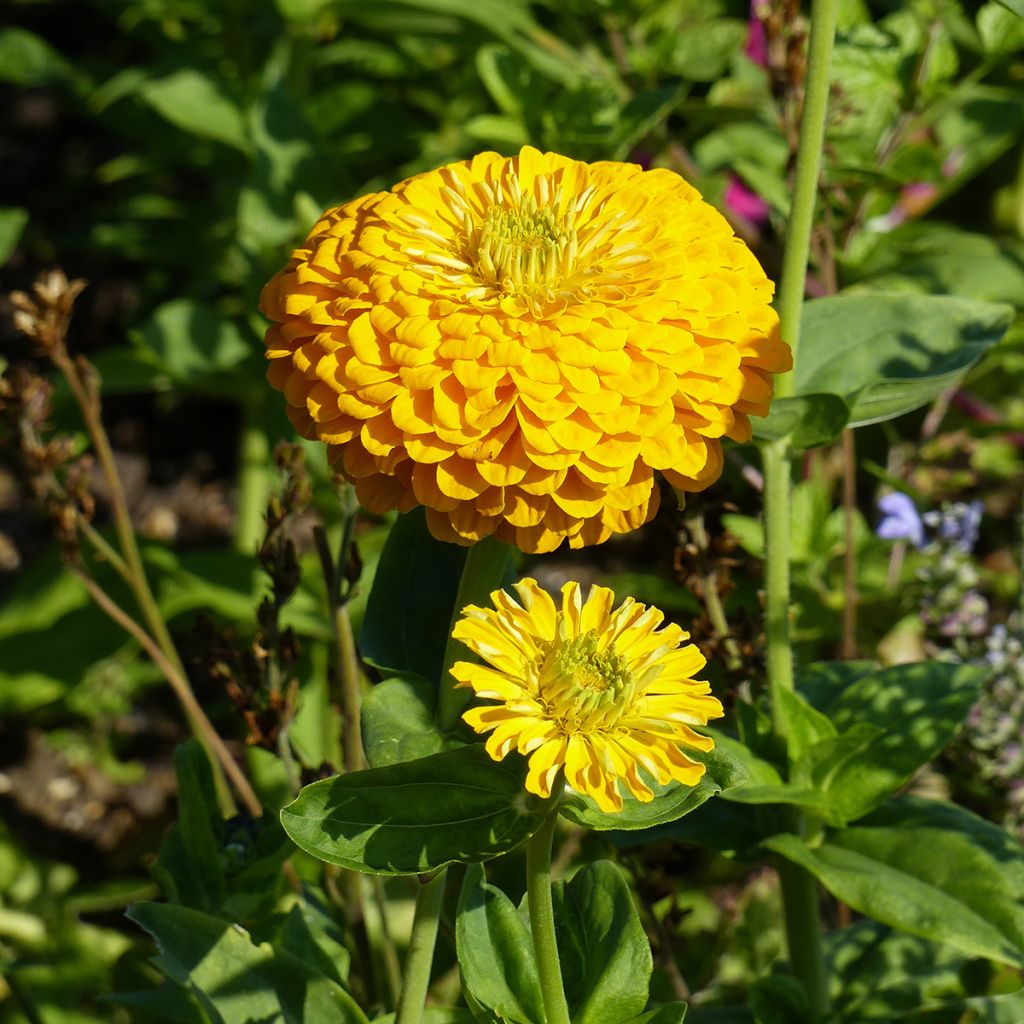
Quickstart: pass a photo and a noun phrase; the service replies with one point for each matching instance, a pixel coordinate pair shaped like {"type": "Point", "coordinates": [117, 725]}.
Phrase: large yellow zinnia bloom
{"type": "Point", "coordinates": [518, 344]}
{"type": "Point", "coordinates": [600, 693]}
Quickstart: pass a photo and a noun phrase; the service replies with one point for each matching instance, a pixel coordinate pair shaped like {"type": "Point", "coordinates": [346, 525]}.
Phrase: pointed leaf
{"type": "Point", "coordinates": [409, 818]}
{"type": "Point", "coordinates": [495, 952]}
{"type": "Point", "coordinates": [409, 610]}
{"type": "Point", "coordinates": [888, 353]}
{"type": "Point", "coordinates": [398, 721]}
{"type": "Point", "coordinates": [603, 948]}
{"type": "Point", "coordinates": [929, 868]}
{"type": "Point", "coordinates": [237, 979]}
{"type": "Point", "coordinates": [893, 722]}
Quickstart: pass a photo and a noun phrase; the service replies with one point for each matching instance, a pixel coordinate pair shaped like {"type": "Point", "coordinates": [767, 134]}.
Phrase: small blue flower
{"type": "Point", "coordinates": [901, 520]}
{"type": "Point", "coordinates": [963, 525]}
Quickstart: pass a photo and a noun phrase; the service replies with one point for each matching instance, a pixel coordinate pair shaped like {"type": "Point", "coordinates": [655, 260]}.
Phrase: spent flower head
{"type": "Point", "coordinates": [601, 693]}
{"type": "Point", "coordinates": [520, 344]}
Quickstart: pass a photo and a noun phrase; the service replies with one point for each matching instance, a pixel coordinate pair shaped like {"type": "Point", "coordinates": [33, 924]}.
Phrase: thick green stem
{"type": "Point", "coordinates": [803, 934]}
{"type": "Point", "coordinates": [799, 889]}
{"type": "Point", "coordinates": [483, 573]}
{"type": "Point", "coordinates": [542, 917]}
{"type": "Point", "coordinates": [777, 524]}
{"type": "Point", "coordinates": [805, 180]}
{"type": "Point", "coordinates": [253, 487]}
{"type": "Point", "coordinates": [421, 950]}
{"type": "Point", "coordinates": [351, 693]}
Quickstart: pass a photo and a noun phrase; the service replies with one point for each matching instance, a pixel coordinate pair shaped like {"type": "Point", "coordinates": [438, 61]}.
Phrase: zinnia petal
{"type": "Point", "coordinates": [556, 329]}
{"type": "Point", "coordinates": [588, 700]}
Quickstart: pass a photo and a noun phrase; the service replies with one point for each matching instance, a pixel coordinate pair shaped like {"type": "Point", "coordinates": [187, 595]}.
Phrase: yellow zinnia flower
{"type": "Point", "coordinates": [519, 343]}
{"type": "Point", "coordinates": [599, 692]}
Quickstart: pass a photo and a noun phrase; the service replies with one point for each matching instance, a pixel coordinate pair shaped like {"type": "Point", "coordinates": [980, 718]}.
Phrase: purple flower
{"type": "Point", "coordinates": [900, 519]}
{"type": "Point", "coordinates": [744, 202]}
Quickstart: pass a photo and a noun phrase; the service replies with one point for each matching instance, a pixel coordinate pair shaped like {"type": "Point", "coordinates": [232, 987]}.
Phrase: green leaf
{"type": "Point", "coordinates": [495, 952]}
{"type": "Point", "coordinates": [12, 222]}
{"type": "Point", "coordinates": [604, 951]}
{"type": "Point", "coordinates": [1005, 1009]}
{"type": "Point", "coordinates": [939, 259]}
{"type": "Point", "coordinates": [877, 974]}
{"type": "Point", "coordinates": [670, 802]}
{"type": "Point", "coordinates": [865, 66]}
{"type": "Point", "coordinates": [436, 1015]}
{"type": "Point", "coordinates": [808, 421]}
{"type": "Point", "coordinates": [717, 824]}
{"type": "Point", "coordinates": [409, 611]}
{"type": "Point", "coordinates": [190, 859]}
{"type": "Point", "coordinates": [26, 59]}
{"type": "Point", "coordinates": [192, 341]}
{"type": "Point", "coordinates": [887, 354]}
{"type": "Point", "coordinates": [748, 530]}
{"type": "Point", "coordinates": [928, 868]}
{"type": "Point", "coordinates": [1014, 6]}
{"type": "Point", "coordinates": [805, 725]}
{"type": "Point", "coordinates": [310, 933]}
{"type": "Point", "coordinates": [230, 868]}
{"type": "Point", "coordinates": [398, 721]}
{"type": "Point", "coordinates": [1000, 30]}
{"type": "Point", "coordinates": [822, 682]}
{"type": "Point", "coordinates": [762, 783]}
{"type": "Point", "coordinates": [671, 1013]}
{"type": "Point", "coordinates": [198, 105]}
{"type": "Point", "coordinates": [237, 979]}
{"type": "Point", "coordinates": [410, 818]}
{"type": "Point", "coordinates": [779, 999]}
{"type": "Point", "coordinates": [891, 723]}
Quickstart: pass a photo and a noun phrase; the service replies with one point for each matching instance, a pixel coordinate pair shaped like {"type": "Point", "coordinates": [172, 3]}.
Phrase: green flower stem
{"type": "Point", "coordinates": [803, 934]}
{"type": "Point", "coordinates": [824, 14]}
{"type": "Point", "coordinates": [777, 513]}
{"type": "Point", "coordinates": [421, 950]}
{"type": "Point", "coordinates": [483, 573]}
{"type": "Point", "coordinates": [799, 889]}
{"type": "Point", "coordinates": [542, 915]}
{"type": "Point", "coordinates": [253, 488]}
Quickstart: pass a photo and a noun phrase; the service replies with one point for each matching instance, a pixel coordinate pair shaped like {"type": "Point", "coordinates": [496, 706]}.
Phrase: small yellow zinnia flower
{"type": "Point", "coordinates": [518, 344]}
{"type": "Point", "coordinates": [600, 693]}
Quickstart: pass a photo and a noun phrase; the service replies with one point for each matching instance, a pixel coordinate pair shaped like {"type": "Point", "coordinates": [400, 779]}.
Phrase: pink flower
{"type": "Point", "coordinates": [744, 202]}
{"type": "Point", "coordinates": [756, 48]}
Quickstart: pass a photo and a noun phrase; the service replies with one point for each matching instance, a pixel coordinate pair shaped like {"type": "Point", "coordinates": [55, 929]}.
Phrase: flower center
{"type": "Point", "coordinates": [523, 248]}
{"type": "Point", "coordinates": [583, 686]}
